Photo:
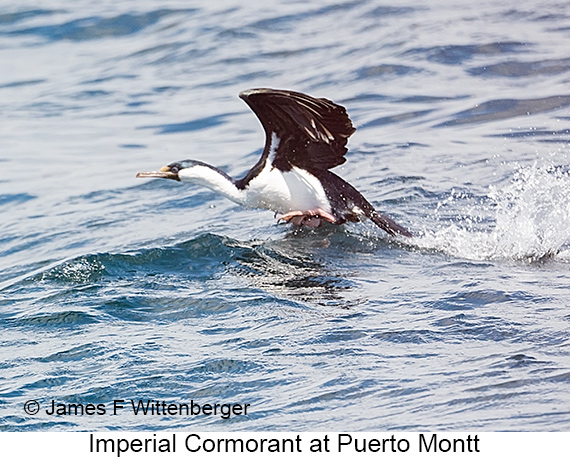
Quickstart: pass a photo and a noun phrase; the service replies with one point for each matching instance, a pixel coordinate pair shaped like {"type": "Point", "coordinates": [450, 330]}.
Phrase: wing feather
{"type": "Point", "coordinates": [313, 132]}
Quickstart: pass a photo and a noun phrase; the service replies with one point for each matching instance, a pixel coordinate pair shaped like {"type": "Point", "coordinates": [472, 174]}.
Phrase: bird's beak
{"type": "Point", "coordinates": [163, 173]}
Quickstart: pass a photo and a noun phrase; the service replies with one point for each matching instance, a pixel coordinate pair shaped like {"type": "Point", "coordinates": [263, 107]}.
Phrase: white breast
{"type": "Point", "coordinates": [295, 190]}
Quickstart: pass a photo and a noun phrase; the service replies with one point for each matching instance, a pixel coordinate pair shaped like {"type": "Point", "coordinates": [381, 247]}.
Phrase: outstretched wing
{"type": "Point", "coordinates": [301, 130]}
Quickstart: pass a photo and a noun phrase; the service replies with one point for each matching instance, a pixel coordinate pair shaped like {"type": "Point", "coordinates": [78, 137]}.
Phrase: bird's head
{"type": "Point", "coordinates": [184, 170]}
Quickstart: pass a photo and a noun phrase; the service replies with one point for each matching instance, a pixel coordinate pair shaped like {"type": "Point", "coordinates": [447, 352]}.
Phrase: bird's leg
{"type": "Point", "coordinates": [312, 218]}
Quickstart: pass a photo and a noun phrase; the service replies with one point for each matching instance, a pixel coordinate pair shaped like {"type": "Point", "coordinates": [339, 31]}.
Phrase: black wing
{"type": "Point", "coordinates": [312, 132]}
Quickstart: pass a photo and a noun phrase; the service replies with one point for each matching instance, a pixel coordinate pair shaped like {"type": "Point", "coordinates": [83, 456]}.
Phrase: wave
{"type": "Point", "coordinates": [526, 220]}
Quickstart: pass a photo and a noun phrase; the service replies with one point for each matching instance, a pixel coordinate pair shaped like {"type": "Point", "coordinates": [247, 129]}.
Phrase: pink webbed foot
{"type": "Point", "coordinates": [311, 218]}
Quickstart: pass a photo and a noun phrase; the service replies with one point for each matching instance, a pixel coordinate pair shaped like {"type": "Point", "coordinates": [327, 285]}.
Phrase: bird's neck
{"type": "Point", "coordinates": [214, 179]}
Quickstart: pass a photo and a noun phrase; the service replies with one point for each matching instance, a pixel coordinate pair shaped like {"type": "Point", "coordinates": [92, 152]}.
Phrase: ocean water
{"type": "Point", "coordinates": [117, 288]}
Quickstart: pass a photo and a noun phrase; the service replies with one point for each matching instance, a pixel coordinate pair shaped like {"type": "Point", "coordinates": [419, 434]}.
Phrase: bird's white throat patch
{"type": "Point", "coordinates": [206, 176]}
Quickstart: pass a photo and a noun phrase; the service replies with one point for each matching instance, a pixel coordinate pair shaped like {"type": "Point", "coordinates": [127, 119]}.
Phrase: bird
{"type": "Point", "coordinates": [305, 137]}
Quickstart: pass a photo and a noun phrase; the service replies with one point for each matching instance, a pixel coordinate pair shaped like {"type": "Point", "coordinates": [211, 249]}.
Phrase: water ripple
{"type": "Point", "coordinates": [98, 27]}
{"type": "Point", "coordinates": [494, 110]}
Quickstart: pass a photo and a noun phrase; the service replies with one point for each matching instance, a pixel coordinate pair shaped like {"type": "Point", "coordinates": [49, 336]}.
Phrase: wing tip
{"type": "Point", "coordinates": [245, 94]}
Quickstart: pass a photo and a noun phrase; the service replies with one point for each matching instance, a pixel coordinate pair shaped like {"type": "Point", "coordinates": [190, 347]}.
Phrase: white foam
{"type": "Point", "coordinates": [531, 219]}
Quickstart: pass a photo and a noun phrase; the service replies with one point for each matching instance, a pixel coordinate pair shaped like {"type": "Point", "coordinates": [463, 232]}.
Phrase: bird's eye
{"type": "Point", "coordinates": [174, 168]}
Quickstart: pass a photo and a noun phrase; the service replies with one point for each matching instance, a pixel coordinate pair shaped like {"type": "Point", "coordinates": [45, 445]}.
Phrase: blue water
{"type": "Point", "coordinates": [117, 288]}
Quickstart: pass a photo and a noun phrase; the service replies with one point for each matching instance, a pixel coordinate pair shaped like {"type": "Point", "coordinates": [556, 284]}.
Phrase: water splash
{"type": "Point", "coordinates": [531, 219]}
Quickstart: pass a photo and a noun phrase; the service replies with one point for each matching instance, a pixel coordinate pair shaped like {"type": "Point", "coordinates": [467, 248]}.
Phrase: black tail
{"type": "Point", "coordinates": [344, 198]}
{"type": "Point", "coordinates": [387, 224]}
